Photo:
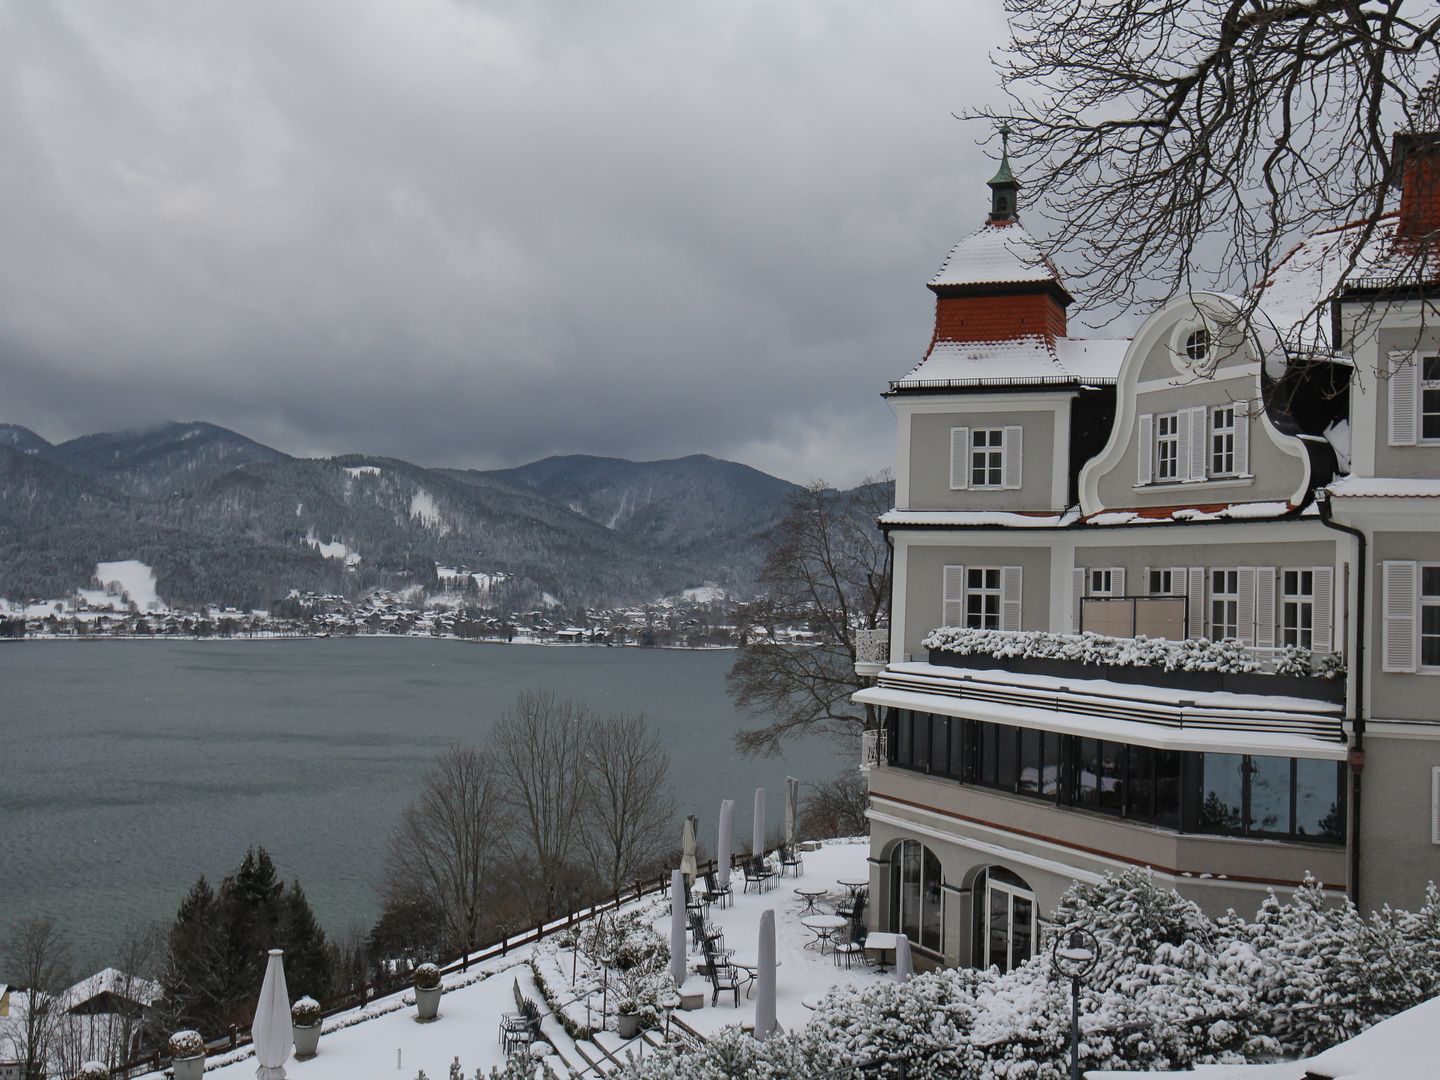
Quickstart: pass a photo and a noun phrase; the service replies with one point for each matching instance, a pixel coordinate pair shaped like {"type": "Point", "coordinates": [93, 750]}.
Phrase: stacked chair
{"type": "Point", "coordinates": [852, 948]}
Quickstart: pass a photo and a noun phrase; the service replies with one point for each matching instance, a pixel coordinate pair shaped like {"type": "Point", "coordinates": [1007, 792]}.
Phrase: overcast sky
{"type": "Point", "coordinates": [475, 234]}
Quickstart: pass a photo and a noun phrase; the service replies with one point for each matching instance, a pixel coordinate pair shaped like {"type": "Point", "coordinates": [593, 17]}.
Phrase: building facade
{"type": "Point", "coordinates": [1245, 506]}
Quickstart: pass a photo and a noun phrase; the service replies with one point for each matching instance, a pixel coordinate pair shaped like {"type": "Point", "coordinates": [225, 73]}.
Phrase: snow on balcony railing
{"type": "Point", "coordinates": [872, 646]}
{"type": "Point", "coordinates": [872, 749]}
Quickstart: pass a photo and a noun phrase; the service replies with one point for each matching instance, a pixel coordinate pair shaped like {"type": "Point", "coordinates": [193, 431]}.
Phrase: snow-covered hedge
{"type": "Point", "coordinates": [1194, 654]}
{"type": "Point", "coordinates": [1172, 989]}
{"type": "Point", "coordinates": [186, 1044]}
{"type": "Point", "coordinates": [305, 1012]}
{"type": "Point", "coordinates": [427, 977]}
{"type": "Point", "coordinates": [93, 1070]}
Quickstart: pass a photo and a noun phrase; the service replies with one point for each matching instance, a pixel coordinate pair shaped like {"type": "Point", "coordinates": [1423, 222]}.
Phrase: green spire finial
{"type": "Point", "coordinates": [1004, 187]}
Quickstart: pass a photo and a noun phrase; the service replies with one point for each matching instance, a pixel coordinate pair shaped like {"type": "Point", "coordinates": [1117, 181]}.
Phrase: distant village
{"type": "Point", "coordinates": [704, 618]}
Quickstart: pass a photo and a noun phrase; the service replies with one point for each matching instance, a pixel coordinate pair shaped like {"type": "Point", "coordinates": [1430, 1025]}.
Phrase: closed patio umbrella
{"type": "Point", "coordinates": [687, 857]}
{"type": "Point", "coordinates": [271, 1032]}
{"type": "Point", "coordinates": [722, 852]}
{"type": "Point", "coordinates": [904, 967]}
{"type": "Point", "coordinates": [765, 978]}
{"type": "Point", "coordinates": [757, 833]}
{"type": "Point", "coordinates": [792, 805]}
{"type": "Point", "coordinates": [677, 927]}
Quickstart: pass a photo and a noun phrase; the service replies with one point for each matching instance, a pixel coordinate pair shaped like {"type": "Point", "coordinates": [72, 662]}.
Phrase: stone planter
{"type": "Point", "coordinates": [629, 1024]}
{"type": "Point", "coordinates": [191, 1068]}
{"type": "Point", "coordinates": [307, 1041]}
{"type": "Point", "coordinates": [427, 1005]}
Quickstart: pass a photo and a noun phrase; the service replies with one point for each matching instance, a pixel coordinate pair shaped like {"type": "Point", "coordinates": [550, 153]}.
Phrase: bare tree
{"type": "Point", "coordinates": [629, 810]}
{"type": "Point", "coordinates": [836, 808]}
{"type": "Point", "coordinates": [540, 748]}
{"type": "Point", "coordinates": [828, 565]}
{"type": "Point", "coordinates": [451, 839]}
{"type": "Point", "coordinates": [1177, 135]}
{"type": "Point", "coordinates": [38, 957]}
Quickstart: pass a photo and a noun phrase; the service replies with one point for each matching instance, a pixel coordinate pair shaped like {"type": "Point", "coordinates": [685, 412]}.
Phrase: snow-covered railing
{"type": "Point", "coordinates": [872, 749]}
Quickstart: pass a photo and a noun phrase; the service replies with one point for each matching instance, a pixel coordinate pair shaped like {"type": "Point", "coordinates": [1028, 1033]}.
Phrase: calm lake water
{"type": "Point", "coordinates": [129, 768]}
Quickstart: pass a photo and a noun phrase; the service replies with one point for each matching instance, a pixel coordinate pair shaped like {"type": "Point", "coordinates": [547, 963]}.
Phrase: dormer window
{"type": "Point", "coordinates": [1197, 345]}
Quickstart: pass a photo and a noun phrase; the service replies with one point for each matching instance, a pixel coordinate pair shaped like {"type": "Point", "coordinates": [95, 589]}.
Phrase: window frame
{"type": "Point", "coordinates": [984, 592]}
{"type": "Point", "coordinates": [1222, 441]}
{"type": "Point", "coordinates": [994, 459]}
{"type": "Point", "coordinates": [1297, 632]}
{"type": "Point", "coordinates": [1424, 600]}
{"type": "Point", "coordinates": [1167, 440]}
{"type": "Point", "coordinates": [1230, 596]}
{"type": "Point", "coordinates": [1427, 386]}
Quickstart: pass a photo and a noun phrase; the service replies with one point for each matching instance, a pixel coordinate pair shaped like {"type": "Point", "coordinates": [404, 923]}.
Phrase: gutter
{"type": "Point", "coordinates": [1357, 749]}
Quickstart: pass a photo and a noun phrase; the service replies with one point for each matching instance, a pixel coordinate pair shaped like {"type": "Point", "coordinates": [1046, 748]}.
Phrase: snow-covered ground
{"type": "Point", "coordinates": [372, 1042]}
{"type": "Point", "coordinates": [131, 577]}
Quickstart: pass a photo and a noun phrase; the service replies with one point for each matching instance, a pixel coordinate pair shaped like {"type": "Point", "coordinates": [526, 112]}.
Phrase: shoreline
{"type": "Point", "coordinates": [215, 638]}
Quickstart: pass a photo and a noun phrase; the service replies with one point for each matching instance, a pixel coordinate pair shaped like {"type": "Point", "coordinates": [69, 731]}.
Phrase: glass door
{"type": "Point", "coordinates": [1009, 925]}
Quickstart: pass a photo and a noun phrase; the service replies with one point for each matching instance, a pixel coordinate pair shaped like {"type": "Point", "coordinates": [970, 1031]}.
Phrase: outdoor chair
{"type": "Point", "coordinates": [757, 874]}
{"type": "Point", "coordinates": [723, 977]}
{"type": "Point", "coordinates": [713, 893]}
{"type": "Point", "coordinates": [791, 859]}
{"type": "Point", "coordinates": [706, 935]}
{"type": "Point", "coordinates": [853, 947]}
{"type": "Point", "coordinates": [521, 1027]}
{"type": "Point", "coordinates": [697, 902]}
{"type": "Point", "coordinates": [850, 905]}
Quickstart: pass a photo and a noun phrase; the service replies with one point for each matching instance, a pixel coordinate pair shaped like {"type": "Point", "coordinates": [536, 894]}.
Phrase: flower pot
{"type": "Point", "coordinates": [307, 1041]}
{"type": "Point", "coordinates": [191, 1068]}
{"type": "Point", "coordinates": [629, 1024]}
{"type": "Point", "coordinates": [427, 1004]}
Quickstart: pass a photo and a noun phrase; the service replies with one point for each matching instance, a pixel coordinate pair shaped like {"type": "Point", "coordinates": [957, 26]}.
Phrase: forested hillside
{"type": "Point", "coordinates": [223, 519]}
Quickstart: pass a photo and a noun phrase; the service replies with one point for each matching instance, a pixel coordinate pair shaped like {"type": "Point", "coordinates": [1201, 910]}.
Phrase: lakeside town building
{"type": "Point", "coordinates": [1248, 485]}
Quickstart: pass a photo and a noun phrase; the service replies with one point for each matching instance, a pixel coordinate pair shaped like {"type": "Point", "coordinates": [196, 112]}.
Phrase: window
{"type": "Point", "coordinates": [982, 598]}
{"type": "Point", "coordinates": [1430, 398]}
{"type": "Point", "coordinates": [1290, 798]}
{"type": "Point", "coordinates": [1197, 345]}
{"type": "Point", "coordinates": [987, 458]}
{"type": "Point", "coordinates": [1224, 604]}
{"type": "Point", "coordinates": [1430, 616]}
{"type": "Point", "coordinates": [1099, 775]}
{"type": "Point", "coordinates": [1039, 763]}
{"type": "Point", "coordinates": [916, 880]}
{"type": "Point", "coordinates": [1007, 920]}
{"type": "Point", "coordinates": [1297, 612]}
{"type": "Point", "coordinates": [1167, 447]}
{"type": "Point", "coordinates": [1222, 441]}
{"type": "Point", "coordinates": [1101, 582]}
{"type": "Point", "coordinates": [1162, 582]}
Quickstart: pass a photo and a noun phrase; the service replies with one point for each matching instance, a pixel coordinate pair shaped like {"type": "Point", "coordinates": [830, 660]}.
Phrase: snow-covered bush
{"type": "Point", "coordinates": [305, 1012]}
{"type": "Point", "coordinates": [1192, 654]}
{"type": "Point", "coordinates": [427, 977]}
{"type": "Point", "coordinates": [1329, 666]}
{"type": "Point", "coordinates": [186, 1044]}
{"type": "Point", "coordinates": [93, 1070]}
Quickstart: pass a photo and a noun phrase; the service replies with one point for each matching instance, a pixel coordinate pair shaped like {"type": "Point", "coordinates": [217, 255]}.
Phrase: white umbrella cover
{"type": "Point", "coordinates": [792, 806]}
{"type": "Point", "coordinates": [687, 858]}
{"type": "Point", "coordinates": [722, 851]}
{"type": "Point", "coordinates": [904, 967]}
{"type": "Point", "coordinates": [271, 1032]}
{"type": "Point", "coordinates": [677, 927]}
{"type": "Point", "coordinates": [757, 834]}
{"type": "Point", "coordinates": [765, 978]}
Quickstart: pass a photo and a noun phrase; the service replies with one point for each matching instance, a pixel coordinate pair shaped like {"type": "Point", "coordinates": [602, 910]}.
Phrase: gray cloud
{"type": "Point", "coordinates": [475, 234]}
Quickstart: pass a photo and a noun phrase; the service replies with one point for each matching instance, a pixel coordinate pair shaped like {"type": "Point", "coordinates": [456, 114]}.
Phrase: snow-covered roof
{"type": "Point", "coordinates": [997, 253]}
{"type": "Point", "coordinates": [1363, 487]}
{"type": "Point", "coordinates": [1160, 515]}
{"type": "Point", "coordinates": [1027, 360]}
{"type": "Point", "coordinates": [112, 980]}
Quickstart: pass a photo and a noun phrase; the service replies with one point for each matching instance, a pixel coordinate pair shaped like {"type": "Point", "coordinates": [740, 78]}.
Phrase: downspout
{"type": "Point", "coordinates": [1357, 749]}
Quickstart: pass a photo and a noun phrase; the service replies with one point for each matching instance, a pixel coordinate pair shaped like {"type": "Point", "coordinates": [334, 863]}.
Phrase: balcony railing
{"type": "Point", "coordinates": [874, 746]}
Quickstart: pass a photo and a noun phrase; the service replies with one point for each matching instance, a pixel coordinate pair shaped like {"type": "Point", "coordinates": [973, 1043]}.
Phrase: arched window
{"type": "Point", "coordinates": [1005, 919]}
{"type": "Point", "coordinates": [915, 880]}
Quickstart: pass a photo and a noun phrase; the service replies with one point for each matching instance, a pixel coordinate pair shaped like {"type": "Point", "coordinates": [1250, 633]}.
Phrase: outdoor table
{"type": "Point", "coordinates": [882, 941]}
{"type": "Point", "coordinates": [751, 966]}
{"type": "Point", "coordinates": [854, 885]}
{"type": "Point", "coordinates": [810, 894]}
{"type": "Point", "coordinates": [823, 927]}
{"type": "Point", "coordinates": [813, 1001]}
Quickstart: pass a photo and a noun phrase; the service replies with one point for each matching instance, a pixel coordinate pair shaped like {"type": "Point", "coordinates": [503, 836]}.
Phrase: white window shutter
{"type": "Point", "coordinates": [1242, 438]}
{"type": "Point", "coordinates": [959, 459]}
{"type": "Point", "coordinates": [1077, 597]}
{"type": "Point", "coordinates": [1404, 398]}
{"type": "Point", "coordinates": [1146, 439]}
{"type": "Point", "coordinates": [1182, 445]}
{"type": "Point", "coordinates": [1401, 580]}
{"type": "Point", "coordinates": [1245, 615]}
{"type": "Point", "coordinates": [1010, 598]}
{"type": "Point", "coordinates": [1324, 609]}
{"type": "Point", "coordinates": [1435, 804]}
{"type": "Point", "coordinates": [1199, 441]}
{"type": "Point", "coordinates": [1195, 602]}
{"type": "Point", "coordinates": [1117, 581]}
{"type": "Point", "coordinates": [953, 605]}
{"type": "Point", "coordinates": [1012, 451]}
{"type": "Point", "coordinates": [1146, 580]}
{"type": "Point", "coordinates": [1177, 581]}
{"type": "Point", "coordinates": [1265, 607]}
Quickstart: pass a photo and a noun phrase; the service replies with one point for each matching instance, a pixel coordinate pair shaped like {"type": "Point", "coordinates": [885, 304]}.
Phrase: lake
{"type": "Point", "coordinates": [129, 768]}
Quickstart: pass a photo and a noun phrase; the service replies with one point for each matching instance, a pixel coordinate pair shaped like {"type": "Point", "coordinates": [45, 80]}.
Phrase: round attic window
{"type": "Point", "coordinates": [1197, 345]}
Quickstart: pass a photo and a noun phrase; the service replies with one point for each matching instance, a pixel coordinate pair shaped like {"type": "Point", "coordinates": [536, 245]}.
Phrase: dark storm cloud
{"type": "Point", "coordinates": [475, 234]}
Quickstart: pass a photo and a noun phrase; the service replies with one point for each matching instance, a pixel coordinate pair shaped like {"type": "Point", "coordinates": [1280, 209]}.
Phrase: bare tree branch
{"type": "Point", "coordinates": [629, 810]}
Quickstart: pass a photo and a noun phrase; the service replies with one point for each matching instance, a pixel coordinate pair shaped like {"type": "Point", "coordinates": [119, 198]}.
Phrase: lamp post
{"type": "Point", "coordinates": [1074, 956]}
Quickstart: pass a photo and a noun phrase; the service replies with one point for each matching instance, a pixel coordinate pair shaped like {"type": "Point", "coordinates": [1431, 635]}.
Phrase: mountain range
{"type": "Point", "coordinates": [224, 519]}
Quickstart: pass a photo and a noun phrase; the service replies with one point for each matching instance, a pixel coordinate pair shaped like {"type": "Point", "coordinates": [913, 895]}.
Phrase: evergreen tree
{"type": "Point", "coordinates": [193, 977]}
{"type": "Point", "coordinates": [310, 961]}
